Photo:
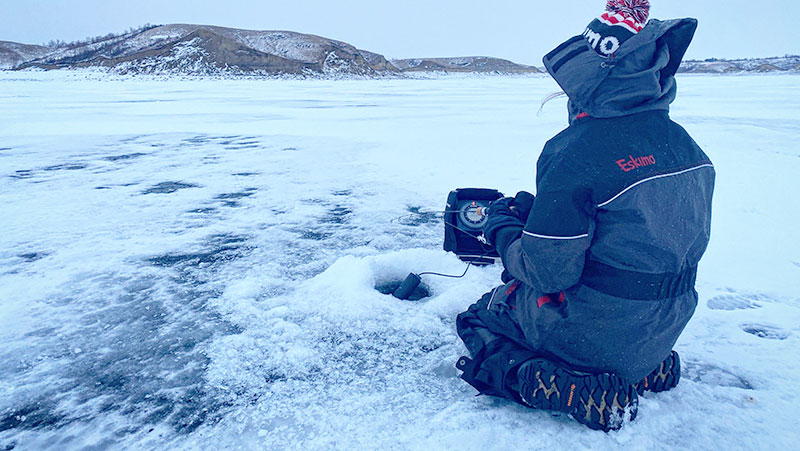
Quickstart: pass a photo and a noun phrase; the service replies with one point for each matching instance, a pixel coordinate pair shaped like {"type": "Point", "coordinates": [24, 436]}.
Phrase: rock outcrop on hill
{"type": "Point", "coordinates": [462, 64]}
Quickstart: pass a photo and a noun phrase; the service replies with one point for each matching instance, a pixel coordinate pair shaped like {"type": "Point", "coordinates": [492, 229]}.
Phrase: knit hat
{"type": "Point", "coordinates": [622, 20]}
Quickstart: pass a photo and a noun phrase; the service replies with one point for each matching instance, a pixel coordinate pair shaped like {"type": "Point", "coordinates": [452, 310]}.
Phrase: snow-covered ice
{"type": "Point", "coordinates": [191, 264]}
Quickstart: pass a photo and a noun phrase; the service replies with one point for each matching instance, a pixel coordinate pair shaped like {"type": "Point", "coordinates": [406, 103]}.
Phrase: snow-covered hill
{"type": "Point", "coordinates": [790, 63]}
{"type": "Point", "coordinates": [462, 64]}
{"type": "Point", "coordinates": [201, 49]}
{"type": "Point", "coordinates": [213, 50]}
{"type": "Point", "coordinates": [13, 53]}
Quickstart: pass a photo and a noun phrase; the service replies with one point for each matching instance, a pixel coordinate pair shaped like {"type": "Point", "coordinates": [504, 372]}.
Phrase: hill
{"type": "Point", "coordinates": [211, 50]}
{"type": "Point", "coordinates": [761, 65]}
{"type": "Point", "coordinates": [462, 64]}
{"type": "Point", "coordinates": [14, 53]}
{"type": "Point", "coordinates": [203, 49]}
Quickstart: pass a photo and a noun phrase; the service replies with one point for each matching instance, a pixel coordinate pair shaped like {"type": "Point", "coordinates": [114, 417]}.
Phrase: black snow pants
{"type": "Point", "coordinates": [496, 344]}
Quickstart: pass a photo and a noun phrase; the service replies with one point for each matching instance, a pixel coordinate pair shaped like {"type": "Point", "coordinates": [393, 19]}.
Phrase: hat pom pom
{"type": "Point", "coordinates": [638, 10]}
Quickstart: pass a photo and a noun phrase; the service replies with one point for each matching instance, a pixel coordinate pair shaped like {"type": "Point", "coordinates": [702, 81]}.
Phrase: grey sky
{"type": "Point", "coordinates": [521, 31]}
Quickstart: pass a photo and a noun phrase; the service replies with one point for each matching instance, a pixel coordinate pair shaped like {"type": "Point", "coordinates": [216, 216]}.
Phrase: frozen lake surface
{"type": "Point", "coordinates": [191, 264]}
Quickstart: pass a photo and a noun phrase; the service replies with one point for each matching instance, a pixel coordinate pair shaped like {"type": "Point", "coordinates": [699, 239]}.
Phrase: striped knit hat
{"type": "Point", "coordinates": [622, 20]}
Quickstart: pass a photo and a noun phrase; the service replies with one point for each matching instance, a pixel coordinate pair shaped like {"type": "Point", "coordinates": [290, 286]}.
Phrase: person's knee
{"type": "Point", "coordinates": [492, 371]}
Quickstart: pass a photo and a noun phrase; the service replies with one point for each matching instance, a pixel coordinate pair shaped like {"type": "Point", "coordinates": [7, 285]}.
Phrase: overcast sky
{"type": "Point", "coordinates": [522, 31]}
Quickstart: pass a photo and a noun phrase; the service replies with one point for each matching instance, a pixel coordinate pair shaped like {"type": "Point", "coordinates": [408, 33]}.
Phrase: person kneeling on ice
{"type": "Point", "coordinates": [600, 266]}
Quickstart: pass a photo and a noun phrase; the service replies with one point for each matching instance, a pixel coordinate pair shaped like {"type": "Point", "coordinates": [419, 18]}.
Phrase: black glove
{"type": "Point", "coordinates": [522, 204]}
{"type": "Point", "coordinates": [500, 217]}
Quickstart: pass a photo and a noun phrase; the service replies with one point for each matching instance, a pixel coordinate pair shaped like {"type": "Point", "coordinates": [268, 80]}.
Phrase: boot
{"type": "Point", "coordinates": [663, 378]}
{"type": "Point", "coordinates": [599, 401]}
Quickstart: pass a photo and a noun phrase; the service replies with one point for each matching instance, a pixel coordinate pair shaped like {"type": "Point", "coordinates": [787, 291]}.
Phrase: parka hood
{"type": "Point", "coordinates": [639, 77]}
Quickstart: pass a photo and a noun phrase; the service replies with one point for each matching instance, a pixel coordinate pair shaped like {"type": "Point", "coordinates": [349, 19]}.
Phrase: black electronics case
{"type": "Point", "coordinates": [460, 233]}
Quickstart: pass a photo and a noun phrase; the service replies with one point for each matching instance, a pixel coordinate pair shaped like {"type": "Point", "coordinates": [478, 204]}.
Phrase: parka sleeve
{"type": "Point", "coordinates": [551, 251]}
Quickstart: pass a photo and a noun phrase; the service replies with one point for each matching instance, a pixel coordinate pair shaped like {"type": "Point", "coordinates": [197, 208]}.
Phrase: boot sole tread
{"type": "Point", "coordinates": [664, 378]}
{"type": "Point", "coordinates": [595, 400]}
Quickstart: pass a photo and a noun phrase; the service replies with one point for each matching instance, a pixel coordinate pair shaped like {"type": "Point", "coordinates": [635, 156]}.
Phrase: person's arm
{"type": "Point", "coordinates": [550, 251]}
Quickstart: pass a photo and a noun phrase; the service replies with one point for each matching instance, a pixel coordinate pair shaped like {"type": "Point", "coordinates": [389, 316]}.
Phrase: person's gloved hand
{"type": "Point", "coordinates": [500, 217]}
{"type": "Point", "coordinates": [522, 204]}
